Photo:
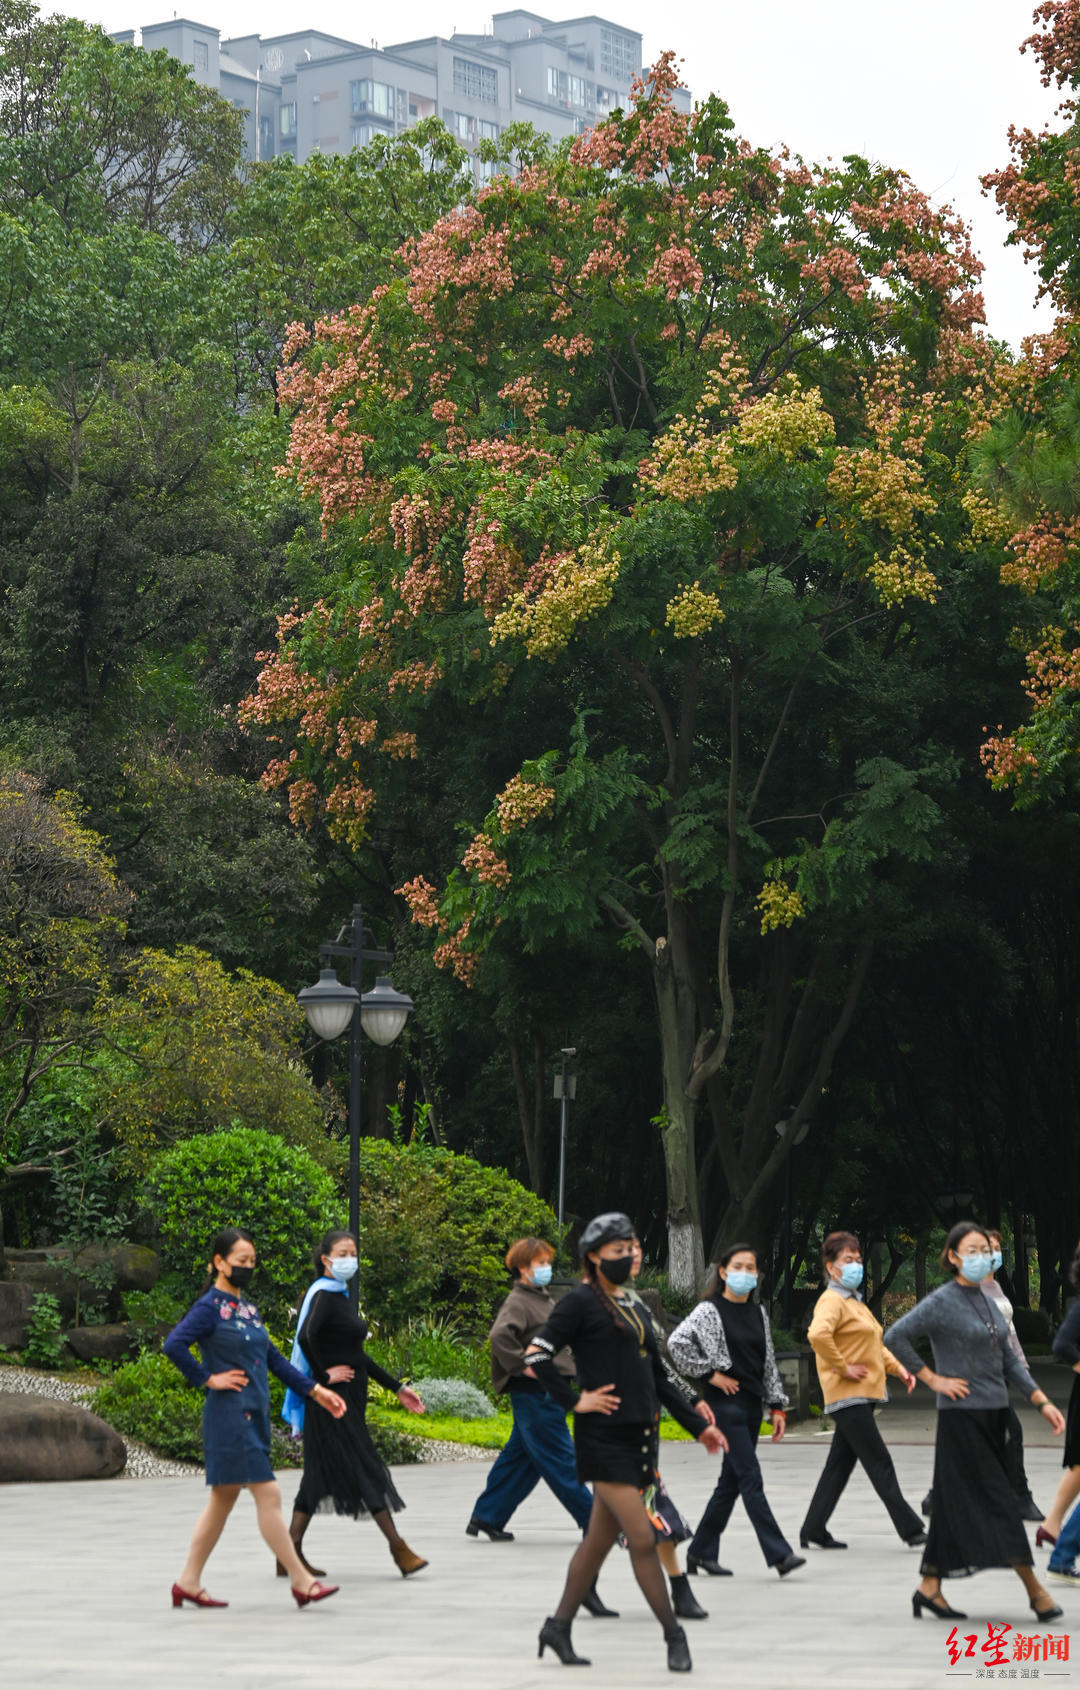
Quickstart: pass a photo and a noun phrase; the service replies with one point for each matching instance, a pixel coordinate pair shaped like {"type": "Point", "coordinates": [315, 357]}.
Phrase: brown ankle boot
{"type": "Point", "coordinates": [316, 1572]}
{"type": "Point", "coordinates": [405, 1559]}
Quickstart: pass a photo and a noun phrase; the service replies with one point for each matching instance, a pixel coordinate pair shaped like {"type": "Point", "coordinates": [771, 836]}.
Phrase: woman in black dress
{"type": "Point", "coordinates": [345, 1472]}
{"type": "Point", "coordinates": [616, 1426]}
{"type": "Point", "coordinates": [1067, 1349]}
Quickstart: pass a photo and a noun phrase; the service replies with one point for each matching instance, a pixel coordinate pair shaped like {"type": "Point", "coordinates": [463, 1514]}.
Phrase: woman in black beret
{"type": "Point", "coordinates": [616, 1426]}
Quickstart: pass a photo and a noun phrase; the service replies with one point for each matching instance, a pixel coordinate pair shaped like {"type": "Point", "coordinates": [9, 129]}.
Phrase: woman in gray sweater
{"type": "Point", "coordinates": [976, 1520]}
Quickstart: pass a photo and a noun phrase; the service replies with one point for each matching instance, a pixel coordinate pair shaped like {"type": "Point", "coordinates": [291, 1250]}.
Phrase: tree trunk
{"type": "Point", "coordinates": [530, 1102]}
{"type": "Point", "coordinates": [686, 1256]}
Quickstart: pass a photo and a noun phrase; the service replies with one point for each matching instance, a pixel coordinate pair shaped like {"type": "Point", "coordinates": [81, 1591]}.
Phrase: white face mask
{"type": "Point", "coordinates": [343, 1267]}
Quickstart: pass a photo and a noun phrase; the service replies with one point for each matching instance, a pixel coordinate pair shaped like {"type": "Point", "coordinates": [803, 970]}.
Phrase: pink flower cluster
{"type": "Point", "coordinates": [482, 859]}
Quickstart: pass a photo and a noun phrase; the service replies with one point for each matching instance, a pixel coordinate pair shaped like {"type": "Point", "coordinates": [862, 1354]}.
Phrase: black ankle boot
{"type": "Point", "coordinates": [684, 1602]}
{"type": "Point", "coordinates": [678, 1650]}
{"type": "Point", "coordinates": [555, 1635]}
{"type": "Point", "coordinates": [594, 1604]}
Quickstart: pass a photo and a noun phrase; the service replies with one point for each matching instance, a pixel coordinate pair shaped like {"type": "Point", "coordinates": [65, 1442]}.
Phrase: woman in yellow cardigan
{"type": "Point", "coordinates": [852, 1362]}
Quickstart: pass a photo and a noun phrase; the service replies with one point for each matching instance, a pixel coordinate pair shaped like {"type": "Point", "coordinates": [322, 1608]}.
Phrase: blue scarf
{"type": "Point", "coordinates": [293, 1407]}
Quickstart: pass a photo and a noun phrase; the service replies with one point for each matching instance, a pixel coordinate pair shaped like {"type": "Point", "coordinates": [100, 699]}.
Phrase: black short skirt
{"type": "Point", "coordinates": [1070, 1455]}
{"type": "Point", "coordinates": [615, 1453]}
{"type": "Point", "coordinates": [975, 1522]}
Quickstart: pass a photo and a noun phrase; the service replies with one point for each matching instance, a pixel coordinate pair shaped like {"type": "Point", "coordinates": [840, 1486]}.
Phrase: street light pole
{"type": "Point", "coordinates": [565, 1089]}
{"type": "Point", "coordinates": [331, 1007]}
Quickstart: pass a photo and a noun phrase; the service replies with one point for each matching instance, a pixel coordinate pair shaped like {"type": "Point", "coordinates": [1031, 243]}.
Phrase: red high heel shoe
{"type": "Point", "coordinates": [1042, 1537]}
{"type": "Point", "coordinates": [317, 1593]}
{"type": "Point", "coordinates": [199, 1600]}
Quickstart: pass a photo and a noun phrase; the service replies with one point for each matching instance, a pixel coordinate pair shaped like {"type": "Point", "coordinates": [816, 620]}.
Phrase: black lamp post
{"type": "Point", "coordinates": [331, 1007]}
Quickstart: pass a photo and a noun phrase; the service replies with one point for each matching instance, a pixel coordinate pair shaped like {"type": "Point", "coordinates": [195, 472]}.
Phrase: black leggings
{"type": "Point", "coordinates": [617, 1508]}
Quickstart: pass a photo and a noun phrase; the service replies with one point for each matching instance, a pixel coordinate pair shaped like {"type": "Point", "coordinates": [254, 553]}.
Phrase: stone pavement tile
{"type": "Point", "coordinates": [85, 1571]}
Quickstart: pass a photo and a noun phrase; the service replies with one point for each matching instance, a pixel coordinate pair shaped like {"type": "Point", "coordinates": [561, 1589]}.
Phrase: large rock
{"type": "Point", "coordinates": [15, 1302]}
{"type": "Point", "coordinates": [41, 1439]}
{"type": "Point", "coordinates": [102, 1343]}
{"type": "Point", "coordinates": [67, 1274]}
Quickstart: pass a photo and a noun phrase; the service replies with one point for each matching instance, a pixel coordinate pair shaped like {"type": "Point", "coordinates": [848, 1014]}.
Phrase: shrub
{"type": "Point", "coordinates": [244, 1178]}
{"type": "Point", "coordinates": [148, 1311]}
{"type": "Point", "coordinates": [434, 1230]}
{"type": "Point", "coordinates": [433, 1349]}
{"type": "Point", "coordinates": [150, 1400]}
{"type": "Point", "coordinates": [395, 1446]}
{"type": "Point", "coordinates": [44, 1339]}
{"type": "Point", "coordinates": [456, 1397]}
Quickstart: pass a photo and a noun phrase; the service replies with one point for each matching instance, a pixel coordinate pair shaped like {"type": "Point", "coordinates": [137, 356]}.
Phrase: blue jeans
{"type": "Point", "coordinates": [1067, 1547]}
{"type": "Point", "coordinates": [539, 1447]}
{"type": "Point", "coordinates": [739, 1418]}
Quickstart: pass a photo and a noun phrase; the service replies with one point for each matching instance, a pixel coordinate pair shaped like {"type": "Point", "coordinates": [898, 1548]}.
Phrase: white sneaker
{"type": "Point", "coordinates": [1068, 1575]}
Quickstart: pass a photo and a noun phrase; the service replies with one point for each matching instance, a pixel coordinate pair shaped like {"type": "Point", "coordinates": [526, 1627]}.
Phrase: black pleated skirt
{"type": "Point", "coordinates": [975, 1522]}
{"type": "Point", "coordinates": [343, 1471]}
{"type": "Point", "coordinates": [616, 1453]}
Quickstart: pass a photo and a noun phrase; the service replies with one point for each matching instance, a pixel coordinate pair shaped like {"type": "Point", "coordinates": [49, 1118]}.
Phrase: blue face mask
{"type": "Point", "coordinates": [851, 1275]}
{"type": "Point", "coordinates": [343, 1267]}
{"type": "Point", "coordinates": [976, 1268]}
{"type": "Point", "coordinates": [542, 1275]}
{"type": "Point", "coordinates": [740, 1283]}
{"type": "Point", "coordinates": [996, 1260]}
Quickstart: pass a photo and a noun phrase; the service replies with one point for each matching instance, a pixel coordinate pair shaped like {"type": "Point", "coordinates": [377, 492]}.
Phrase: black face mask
{"type": "Point", "coordinates": [239, 1277]}
{"type": "Point", "coordinates": [616, 1269]}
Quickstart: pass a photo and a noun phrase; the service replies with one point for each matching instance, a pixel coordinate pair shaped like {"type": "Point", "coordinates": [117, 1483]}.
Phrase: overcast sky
{"type": "Point", "coordinates": [930, 86]}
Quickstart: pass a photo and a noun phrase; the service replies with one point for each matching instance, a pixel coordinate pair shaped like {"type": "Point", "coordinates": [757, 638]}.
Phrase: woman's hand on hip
{"type": "Point", "coordinates": [340, 1375]}
{"type": "Point", "coordinates": [856, 1370]}
{"type": "Point", "coordinates": [329, 1400]}
{"type": "Point", "coordinates": [779, 1424]}
{"type": "Point", "coordinates": [600, 1401]}
{"type": "Point", "coordinates": [412, 1400]}
{"type": "Point", "coordinates": [713, 1439]}
{"type": "Point", "coordinates": [945, 1386]}
{"type": "Point", "coordinates": [724, 1382]}
{"type": "Point", "coordinates": [233, 1379]}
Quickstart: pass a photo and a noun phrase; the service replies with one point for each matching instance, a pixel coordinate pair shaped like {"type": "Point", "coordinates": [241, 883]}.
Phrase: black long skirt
{"type": "Point", "coordinates": [343, 1471]}
{"type": "Point", "coordinates": [975, 1521]}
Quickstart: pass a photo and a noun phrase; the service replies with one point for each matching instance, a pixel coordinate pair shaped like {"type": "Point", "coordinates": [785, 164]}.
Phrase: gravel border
{"type": "Point", "coordinates": [143, 1463]}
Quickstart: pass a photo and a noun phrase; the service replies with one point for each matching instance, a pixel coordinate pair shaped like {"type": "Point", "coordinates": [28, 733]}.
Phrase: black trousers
{"type": "Point", "coordinates": [857, 1438]}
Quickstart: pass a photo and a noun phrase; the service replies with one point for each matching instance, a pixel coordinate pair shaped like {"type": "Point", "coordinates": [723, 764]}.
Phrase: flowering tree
{"type": "Point", "coordinates": [1028, 463]}
{"type": "Point", "coordinates": [647, 461]}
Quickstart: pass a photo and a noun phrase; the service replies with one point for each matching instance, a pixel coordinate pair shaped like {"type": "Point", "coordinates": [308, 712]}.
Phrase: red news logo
{"type": "Point", "coordinates": [1003, 1646]}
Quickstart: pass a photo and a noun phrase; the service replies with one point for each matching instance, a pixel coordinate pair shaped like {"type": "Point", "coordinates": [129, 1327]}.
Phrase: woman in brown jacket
{"type": "Point", "coordinates": [852, 1362]}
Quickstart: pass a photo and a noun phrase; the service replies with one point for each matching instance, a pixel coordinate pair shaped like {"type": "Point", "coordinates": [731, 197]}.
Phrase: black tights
{"type": "Point", "coordinates": [617, 1508]}
{"type": "Point", "coordinates": [300, 1522]}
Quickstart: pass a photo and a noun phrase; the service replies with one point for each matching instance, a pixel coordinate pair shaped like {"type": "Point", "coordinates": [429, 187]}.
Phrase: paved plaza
{"type": "Point", "coordinates": [85, 1571]}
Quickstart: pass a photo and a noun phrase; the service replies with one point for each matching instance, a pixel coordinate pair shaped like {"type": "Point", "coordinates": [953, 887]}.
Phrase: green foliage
{"type": "Point", "coordinates": [396, 1446]}
{"type": "Point", "coordinates": [148, 1311]}
{"type": "Point", "coordinates": [448, 1428]}
{"type": "Point", "coordinates": [44, 1336]}
{"type": "Point", "coordinates": [204, 1048]}
{"type": "Point", "coordinates": [454, 1396]}
{"type": "Point", "coordinates": [148, 1399]}
{"type": "Point", "coordinates": [428, 1347]}
{"type": "Point", "coordinates": [434, 1229]}
{"type": "Point", "coordinates": [248, 1178]}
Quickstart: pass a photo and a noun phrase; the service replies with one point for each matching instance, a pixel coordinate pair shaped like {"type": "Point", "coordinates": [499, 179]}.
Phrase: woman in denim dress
{"type": "Point", "coordinates": [237, 1358]}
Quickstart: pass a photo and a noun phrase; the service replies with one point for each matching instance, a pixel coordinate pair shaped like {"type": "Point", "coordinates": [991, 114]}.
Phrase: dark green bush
{"type": "Point", "coordinates": [434, 1231]}
{"type": "Point", "coordinates": [148, 1399]}
{"type": "Point", "coordinates": [251, 1179]}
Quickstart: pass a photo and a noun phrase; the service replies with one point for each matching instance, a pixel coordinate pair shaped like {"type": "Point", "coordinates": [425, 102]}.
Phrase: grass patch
{"type": "Point", "coordinates": [480, 1434]}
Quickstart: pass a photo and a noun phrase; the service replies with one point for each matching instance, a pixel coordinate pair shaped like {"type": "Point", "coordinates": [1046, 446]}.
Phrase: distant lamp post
{"type": "Point", "coordinates": [784, 1133]}
{"type": "Point", "coordinates": [330, 1008]}
{"type": "Point", "coordinates": [565, 1091]}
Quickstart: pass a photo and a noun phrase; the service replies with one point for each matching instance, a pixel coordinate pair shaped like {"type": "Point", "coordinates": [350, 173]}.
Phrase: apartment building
{"type": "Point", "coordinates": [311, 92]}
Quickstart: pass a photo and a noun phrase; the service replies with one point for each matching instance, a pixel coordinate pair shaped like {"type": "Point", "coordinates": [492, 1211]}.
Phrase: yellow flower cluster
{"type": "Point", "coordinates": [988, 522]}
{"type": "Point", "coordinates": [693, 611]}
{"type": "Point", "coordinates": [522, 801]}
{"type": "Point", "coordinates": [882, 487]}
{"type": "Point", "coordinates": [786, 423]}
{"type": "Point", "coordinates": [779, 905]}
{"type": "Point", "coordinates": [903, 575]}
{"type": "Point", "coordinates": [581, 584]}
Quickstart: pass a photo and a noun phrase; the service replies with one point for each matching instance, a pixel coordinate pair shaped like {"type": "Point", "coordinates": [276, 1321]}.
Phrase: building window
{"type": "Point", "coordinates": [374, 97]}
{"type": "Point", "coordinates": [486, 131]}
{"type": "Point", "coordinates": [288, 120]}
{"type": "Point", "coordinates": [581, 92]}
{"type": "Point", "coordinates": [619, 55]}
{"type": "Point", "coordinates": [608, 99]}
{"type": "Point", "coordinates": [200, 56]}
{"type": "Point", "coordinates": [479, 82]}
{"type": "Point", "coordinates": [557, 84]}
{"type": "Point", "coordinates": [463, 126]}
{"type": "Point", "coordinates": [266, 137]}
{"type": "Point", "coordinates": [362, 133]}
